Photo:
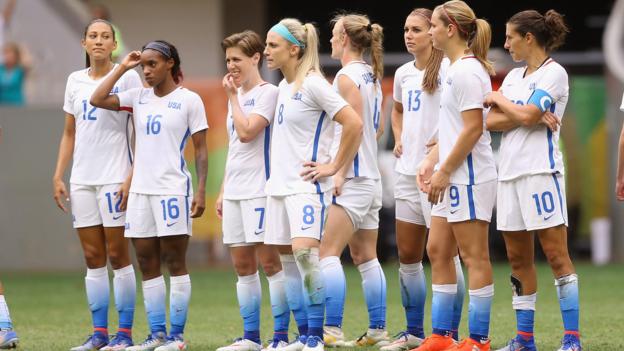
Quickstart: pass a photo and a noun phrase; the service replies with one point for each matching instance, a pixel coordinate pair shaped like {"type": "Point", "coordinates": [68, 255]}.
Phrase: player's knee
{"type": "Point", "coordinates": [148, 262]}
{"type": "Point", "coordinates": [271, 266]}
{"type": "Point", "coordinates": [95, 258]}
{"type": "Point", "coordinates": [118, 258]}
{"type": "Point", "coordinates": [557, 259]}
{"type": "Point", "coordinates": [437, 251]}
{"type": "Point", "coordinates": [244, 267]}
{"type": "Point", "coordinates": [175, 263]}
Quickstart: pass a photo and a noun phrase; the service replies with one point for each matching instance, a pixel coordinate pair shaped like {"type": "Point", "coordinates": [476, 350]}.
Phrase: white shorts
{"type": "Point", "coordinates": [244, 221]}
{"type": "Point", "coordinates": [361, 200]}
{"type": "Point", "coordinates": [531, 202]}
{"type": "Point", "coordinates": [96, 205]}
{"type": "Point", "coordinates": [158, 215]}
{"type": "Point", "coordinates": [412, 205]}
{"type": "Point", "coordinates": [295, 216]}
{"type": "Point", "coordinates": [469, 202]}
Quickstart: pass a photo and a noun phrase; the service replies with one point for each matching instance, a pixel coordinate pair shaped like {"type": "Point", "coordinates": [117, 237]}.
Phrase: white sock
{"type": "Point", "coordinates": [124, 287]}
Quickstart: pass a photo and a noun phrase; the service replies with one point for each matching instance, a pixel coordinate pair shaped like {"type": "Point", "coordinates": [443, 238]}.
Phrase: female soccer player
{"type": "Point", "coordinates": [466, 180]}
{"type": "Point", "coordinates": [160, 209]}
{"type": "Point", "coordinates": [8, 337]}
{"type": "Point", "coordinates": [531, 187]}
{"type": "Point", "coordinates": [417, 87]}
{"type": "Point", "coordinates": [300, 185]}
{"type": "Point", "coordinates": [97, 141]}
{"type": "Point", "coordinates": [242, 201]}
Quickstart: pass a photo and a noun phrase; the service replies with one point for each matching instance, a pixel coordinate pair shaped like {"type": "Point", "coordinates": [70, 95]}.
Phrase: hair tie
{"type": "Point", "coordinates": [369, 27]}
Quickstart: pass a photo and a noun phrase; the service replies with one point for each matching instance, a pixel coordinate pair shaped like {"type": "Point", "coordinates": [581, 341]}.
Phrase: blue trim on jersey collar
{"type": "Point", "coordinates": [283, 31]}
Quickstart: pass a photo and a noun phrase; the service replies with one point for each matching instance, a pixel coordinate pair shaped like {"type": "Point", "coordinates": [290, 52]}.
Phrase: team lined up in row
{"type": "Point", "coordinates": [322, 140]}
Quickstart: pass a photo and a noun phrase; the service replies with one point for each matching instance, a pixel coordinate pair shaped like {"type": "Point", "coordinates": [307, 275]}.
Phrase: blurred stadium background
{"type": "Point", "coordinates": [41, 260]}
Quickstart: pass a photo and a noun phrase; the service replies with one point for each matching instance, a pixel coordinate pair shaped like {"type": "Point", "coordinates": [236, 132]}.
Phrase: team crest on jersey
{"type": "Point", "coordinates": [449, 81]}
{"type": "Point", "coordinates": [532, 86]}
{"type": "Point", "coordinates": [175, 105]}
{"type": "Point", "coordinates": [249, 103]}
{"type": "Point", "coordinates": [297, 96]}
{"type": "Point", "coordinates": [115, 90]}
{"type": "Point", "coordinates": [368, 77]}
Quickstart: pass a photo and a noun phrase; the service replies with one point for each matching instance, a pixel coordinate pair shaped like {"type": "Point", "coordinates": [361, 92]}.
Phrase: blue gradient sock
{"type": "Point", "coordinates": [124, 288]}
{"type": "Point", "coordinates": [479, 312]}
{"type": "Point", "coordinates": [249, 293]}
{"type": "Point", "coordinates": [294, 292]}
{"type": "Point", "coordinates": [5, 317]}
{"type": "Point", "coordinates": [442, 308]}
{"type": "Point", "coordinates": [335, 290]}
{"type": "Point", "coordinates": [98, 292]}
{"type": "Point", "coordinates": [567, 290]}
{"type": "Point", "coordinates": [374, 287]}
{"type": "Point", "coordinates": [279, 305]}
{"type": "Point", "coordinates": [458, 304]}
{"type": "Point", "coordinates": [154, 295]}
{"type": "Point", "coordinates": [413, 296]}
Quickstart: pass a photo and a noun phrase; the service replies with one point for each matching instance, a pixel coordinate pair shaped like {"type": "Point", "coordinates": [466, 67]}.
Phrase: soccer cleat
{"type": "Point", "coordinates": [241, 344]}
{"type": "Point", "coordinates": [333, 336]}
{"type": "Point", "coordinates": [275, 344]}
{"type": "Point", "coordinates": [436, 342]}
{"type": "Point", "coordinates": [570, 342]}
{"type": "Point", "coordinates": [519, 344]}
{"type": "Point", "coordinates": [469, 344]}
{"type": "Point", "coordinates": [152, 341]}
{"type": "Point", "coordinates": [372, 337]}
{"type": "Point", "coordinates": [173, 343]}
{"type": "Point", "coordinates": [93, 342]}
{"type": "Point", "coordinates": [314, 343]}
{"type": "Point", "coordinates": [8, 339]}
{"type": "Point", "coordinates": [296, 345]}
{"type": "Point", "coordinates": [403, 341]}
{"type": "Point", "coordinates": [119, 342]}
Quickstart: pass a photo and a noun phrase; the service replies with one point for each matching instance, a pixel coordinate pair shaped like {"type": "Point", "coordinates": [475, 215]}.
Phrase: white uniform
{"type": "Point", "coordinates": [247, 170]}
{"type": "Point", "coordinates": [161, 192]}
{"type": "Point", "coordinates": [420, 126]}
{"type": "Point", "coordinates": [466, 85]}
{"type": "Point", "coordinates": [303, 132]}
{"type": "Point", "coordinates": [531, 189]}
{"type": "Point", "coordinates": [102, 157]}
{"type": "Point", "coordinates": [361, 192]}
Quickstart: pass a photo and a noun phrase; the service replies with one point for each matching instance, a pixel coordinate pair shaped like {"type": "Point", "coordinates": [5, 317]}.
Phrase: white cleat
{"type": "Point", "coordinates": [314, 343]}
{"type": "Point", "coordinates": [151, 343]}
{"type": "Point", "coordinates": [402, 342]}
{"type": "Point", "coordinates": [296, 345]}
{"type": "Point", "coordinates": [372, 337]}
{"type": "Point", "coordinates": [333, 336]}
{"type": "Point", "coordinates": [173, 344]}
{"type": "Point", "coordinates": [241, 344]}
{"type": "Point", "coordinates": [275, 344]}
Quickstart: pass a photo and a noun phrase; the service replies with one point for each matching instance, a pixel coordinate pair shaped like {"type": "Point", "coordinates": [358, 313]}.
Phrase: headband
{"type": "Point", "coordinates": [453, 22]}
{"type": "Point", "coordinates": [160, 47]}
{"type": "Point", "coordinates": [283, 31]}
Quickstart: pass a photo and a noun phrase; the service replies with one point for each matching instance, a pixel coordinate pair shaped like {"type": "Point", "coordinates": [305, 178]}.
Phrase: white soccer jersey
{"type": "Point", "coordinates": [365, 162]}
{"type": "Point", "coordinates": [102, 145]}
{"type": "Point", "coordinates": [302, 132]}
{"type": "Point", "coordinates": [163, 126]}
{"type": "Point", "coordinates": [535, 150]}
{"type": "Point", "coordinates": [420, 114]}
{"type": "Point", "coordinates": [465, 87]}
{"type": "Point", "coordinates": [247, 168]}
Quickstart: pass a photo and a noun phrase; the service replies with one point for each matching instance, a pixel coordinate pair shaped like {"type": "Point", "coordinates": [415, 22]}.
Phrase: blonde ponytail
{"type": "Point", "coordinates": [308, 53]}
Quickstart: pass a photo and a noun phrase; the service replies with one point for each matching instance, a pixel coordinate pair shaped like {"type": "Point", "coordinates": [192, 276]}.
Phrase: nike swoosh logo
{"type": "Point", "coordinates": [258, 233]}
{"type": "Point", "coordinates": [117, 217]}
{"type": "Point", "coordinates": [306, 228]}
{"type": "Point", "coordinates": [453, 212]}
{"type": "Point", "coordinates": [548, 217]}
{"type": "Point", "coordinates": [142, 103]}
{"type": "Point", "coordinates": [170, 224]}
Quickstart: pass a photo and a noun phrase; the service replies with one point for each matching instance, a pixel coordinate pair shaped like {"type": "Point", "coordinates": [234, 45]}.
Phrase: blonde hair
{"type": "Point", "coordinates": [432, 70]}
{"type": "Point", "coordinates": [308, 54]}
{"type": "Point", "coordinates": [475, 31]}
{"type": "Point", "coordinates": [365, 37]}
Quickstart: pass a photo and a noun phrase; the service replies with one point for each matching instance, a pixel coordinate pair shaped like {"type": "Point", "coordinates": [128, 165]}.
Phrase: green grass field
{"type": "Point", "coordinates": [50, 310]}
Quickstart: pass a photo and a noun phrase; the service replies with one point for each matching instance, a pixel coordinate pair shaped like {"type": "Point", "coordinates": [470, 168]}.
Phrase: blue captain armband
{"type": "Point", "coordinates": [541, 99]}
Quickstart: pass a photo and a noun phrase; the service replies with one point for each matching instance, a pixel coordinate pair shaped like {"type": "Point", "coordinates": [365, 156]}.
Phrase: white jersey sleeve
{"type": "Point", "coordinates": [324, 96]}
{"type": "Point", "coordinates": [196, 114]}
{"type": "Point", "coordinates": [128, 98]}
{"type": "Point", "coordinates": [397, 91]}
{"type": "Point", "coordinates": [265, 102]}
{"type": "Point", "coordinates": [132, 80]}
{"type": "Point", "coordinates": [469, 95]}
{"type": "Point", "coordinates": [68, 102]}
{"type": "Point", "coordinates": [552, 86]}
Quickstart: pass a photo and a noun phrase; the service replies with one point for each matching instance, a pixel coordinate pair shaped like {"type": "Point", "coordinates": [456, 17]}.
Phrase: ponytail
{"type": "Point", "coordinates": [549, 30]}
{"type": "Point", "coordinates": [480, 44]}
{"type": "Point", "coordinates": [308, 50]}
{"type": "Point", "coordinates": [430, 81]}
